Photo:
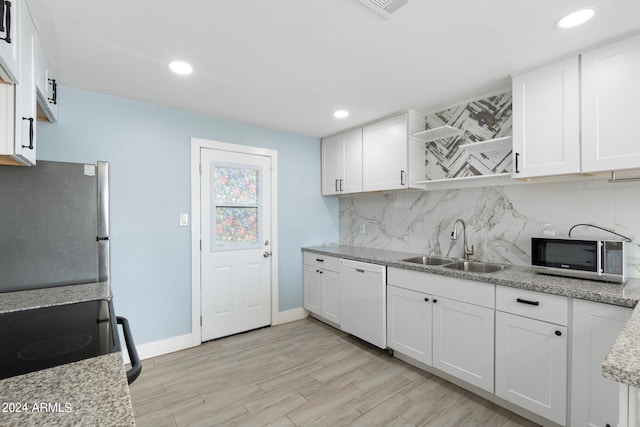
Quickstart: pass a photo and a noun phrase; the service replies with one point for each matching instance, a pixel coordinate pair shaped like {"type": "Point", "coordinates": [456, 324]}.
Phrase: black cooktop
{"type": "Point", "coordinates": [41, 338]}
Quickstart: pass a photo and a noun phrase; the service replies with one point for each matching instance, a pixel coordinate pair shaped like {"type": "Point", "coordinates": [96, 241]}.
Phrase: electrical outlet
{"type": "Point", "coordinates": [184, 220]}
{"type": "Point", "coordinates": [363, 228]}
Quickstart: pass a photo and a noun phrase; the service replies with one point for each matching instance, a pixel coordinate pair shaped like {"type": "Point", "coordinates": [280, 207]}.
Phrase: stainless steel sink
{"type": "Point", "coordinates": [430, 260]}
{"type": "Point", "coordinates": [475, 266]}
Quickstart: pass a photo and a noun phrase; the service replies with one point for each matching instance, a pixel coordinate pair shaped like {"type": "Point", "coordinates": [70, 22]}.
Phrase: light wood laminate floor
{"type": "Point", "coordinates": [301, 373]}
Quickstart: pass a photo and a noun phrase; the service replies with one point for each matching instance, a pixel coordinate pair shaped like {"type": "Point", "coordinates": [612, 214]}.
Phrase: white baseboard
{"type": "Point", "coordinates": [158, 348]}
{"type": "Point", "coordinates": [291, 315]}
{"type": "Point", "coordinates": [169, 345]}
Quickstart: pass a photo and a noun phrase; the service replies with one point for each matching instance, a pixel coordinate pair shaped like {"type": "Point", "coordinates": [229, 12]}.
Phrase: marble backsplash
{"type": "Point", "coordinates": [500, 220]}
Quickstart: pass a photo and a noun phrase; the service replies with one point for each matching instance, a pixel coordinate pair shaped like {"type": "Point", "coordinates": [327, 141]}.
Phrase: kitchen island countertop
{"type": "Point", "coordinates": [93, 391]}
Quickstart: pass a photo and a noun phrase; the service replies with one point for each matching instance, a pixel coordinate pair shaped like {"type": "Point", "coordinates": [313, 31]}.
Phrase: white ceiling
{"type": "Point", "coordinates": [288, 64]}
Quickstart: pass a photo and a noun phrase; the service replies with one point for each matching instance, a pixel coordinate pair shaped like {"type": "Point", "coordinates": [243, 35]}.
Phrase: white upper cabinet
{"type": "Point", "coordinates": [18, 101]}
{"type": "Point", "coordinates": [46, 86]}
{"type": "Point", "coordinates": [610, 92]}
{"type": "Point", "coordinates": [384, 149]}
{"type": "Point", "coordinates": [25, 138]}
{"type": "Point", "coordinates": [9, 40]}
{"type": "Point", "coordinates": [546, 120]}
{"type": "Point", "coordinates": [342, 163]}
{"type": "Point", "coordinates": [577, 115]}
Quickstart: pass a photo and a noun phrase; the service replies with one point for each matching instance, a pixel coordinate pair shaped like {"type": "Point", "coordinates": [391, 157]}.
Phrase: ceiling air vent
{"type": "Point", "coordinates": [384, 7]}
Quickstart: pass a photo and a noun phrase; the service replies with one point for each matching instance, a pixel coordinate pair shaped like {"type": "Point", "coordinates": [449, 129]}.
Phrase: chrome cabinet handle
{"type": "Point", "coordinates": [402, 178]}
{"type": "Point", "coordinates": [517, 155]}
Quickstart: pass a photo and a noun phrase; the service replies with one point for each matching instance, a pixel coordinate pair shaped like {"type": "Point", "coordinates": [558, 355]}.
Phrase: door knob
{"type": "Point", "coordinates": [266, 254]}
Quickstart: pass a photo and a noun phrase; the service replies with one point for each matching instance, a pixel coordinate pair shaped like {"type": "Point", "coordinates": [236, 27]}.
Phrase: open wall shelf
{"type": "Point", "coordinates": [441, 132]}
{"type": "Point", "coordinates": [496, 144]}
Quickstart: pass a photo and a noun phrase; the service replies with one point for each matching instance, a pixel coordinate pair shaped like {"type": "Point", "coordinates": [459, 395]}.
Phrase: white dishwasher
{"type": "Point", "coordinates": [363, 301]}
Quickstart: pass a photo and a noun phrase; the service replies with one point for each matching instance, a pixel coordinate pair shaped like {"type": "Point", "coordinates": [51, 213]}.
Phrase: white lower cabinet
{"type": "Point", "coordinates": [322, 286]}
{"type": "Point", "coordinates": [409, 324]}
{"type": "Point", "coordinates": [531, 352]}
{"type": "Point", "coordinates": [594, 399]}
{"type": "Point", "coordinates": [463, 341]}
{"type": "Point", "coordinates": [436, 320]}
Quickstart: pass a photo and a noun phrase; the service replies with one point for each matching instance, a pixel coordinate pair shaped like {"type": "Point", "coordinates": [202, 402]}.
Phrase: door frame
{"type": "Point", "coordinates": [196, 145]}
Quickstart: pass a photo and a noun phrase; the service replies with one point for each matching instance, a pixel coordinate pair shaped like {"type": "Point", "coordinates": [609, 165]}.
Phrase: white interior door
{"type": "Point", "coordinates": [236, 242]}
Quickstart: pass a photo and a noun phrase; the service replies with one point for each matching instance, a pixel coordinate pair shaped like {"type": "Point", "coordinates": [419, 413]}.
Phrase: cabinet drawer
{"type": "Point", "coordinates": [322, 261]}
{"type": "Point", "coordinates": [535, 305]}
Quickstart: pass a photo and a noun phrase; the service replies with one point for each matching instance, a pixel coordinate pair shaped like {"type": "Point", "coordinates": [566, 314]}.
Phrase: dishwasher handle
{"type": "Point", "coordinates": [136, 364]}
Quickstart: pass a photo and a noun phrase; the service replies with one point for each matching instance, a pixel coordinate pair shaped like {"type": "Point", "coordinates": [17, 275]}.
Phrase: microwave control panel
{"type": "Point", "coordinates": [613, 262]}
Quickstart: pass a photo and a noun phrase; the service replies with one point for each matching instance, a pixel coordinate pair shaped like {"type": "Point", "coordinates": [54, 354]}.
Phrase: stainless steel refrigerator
{"type": "Point", "coordinates": [54, 231]}
{"type": "Point", "coordinates": [54, 225]}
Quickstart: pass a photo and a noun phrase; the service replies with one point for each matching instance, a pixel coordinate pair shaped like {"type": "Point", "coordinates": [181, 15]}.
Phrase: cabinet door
{"type": "Point", "coordinates": [531, 365]}
{"type": "Point", "coordinates": [384, 150]}
{"type": "Point", "coordinates": [332, 164]}
{"type": "Point", "coordinates": [46, 86]}
{"type": "Point", "coordinates": [463, 341]}
{"type": "Point", "coordinates": [312, 290]}
{"type": "Point", "coordinates": [342, 163]}
{"type": "Point", "coordinates": [610, 90]}
{"type": "Point", "coordinates": [546, 127]}
{"type": "Point", "coordinates": [25, 137]}
{"type": "Point", "coordinates": [596, 326]}
{"type": "Point", "coordinates": [352, 165]}
{"type": "Point", "coordinates": [409, 331]}
{"type": "Point", "coordinates": [330, 284]}
{"type": "Point", "coordinates": [9, 42]}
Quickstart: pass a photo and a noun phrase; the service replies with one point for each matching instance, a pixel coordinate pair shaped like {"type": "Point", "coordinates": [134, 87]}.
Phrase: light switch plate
{"type": "Point", "coordinates": [184, 220]}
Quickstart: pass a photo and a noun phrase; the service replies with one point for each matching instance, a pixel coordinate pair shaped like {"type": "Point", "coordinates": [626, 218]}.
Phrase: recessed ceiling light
{"type": "Point", "coordinates": [180, 67]}
{"type": "Point", "coordinates": [575, 18]}
{"type": "Point", "coordinates": [341, 114]}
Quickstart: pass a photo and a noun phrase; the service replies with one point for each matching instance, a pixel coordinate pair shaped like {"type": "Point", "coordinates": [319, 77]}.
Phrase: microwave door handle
{"type": "Point", "coordinates": [600, 258]}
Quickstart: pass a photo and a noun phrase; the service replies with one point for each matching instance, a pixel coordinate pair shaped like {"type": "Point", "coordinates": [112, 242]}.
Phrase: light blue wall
{"type": "Point", "coordinates": [148, 147]}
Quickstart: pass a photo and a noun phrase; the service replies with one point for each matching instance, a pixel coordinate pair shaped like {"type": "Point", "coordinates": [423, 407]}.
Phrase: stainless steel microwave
{"type": "Point", "coordinates": [604, 260]}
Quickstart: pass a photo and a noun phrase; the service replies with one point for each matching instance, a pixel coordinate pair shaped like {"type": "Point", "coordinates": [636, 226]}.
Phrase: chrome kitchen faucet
{"type": "Point", "coordinates": [454, 236]}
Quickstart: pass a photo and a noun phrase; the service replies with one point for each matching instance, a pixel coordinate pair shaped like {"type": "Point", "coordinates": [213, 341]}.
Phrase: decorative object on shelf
{"type": "Point", "coordinates": [482, 147]}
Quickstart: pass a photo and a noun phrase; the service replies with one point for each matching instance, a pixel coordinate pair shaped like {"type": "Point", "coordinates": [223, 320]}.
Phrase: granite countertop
{"type": "Point", "coordinates": [623, 361]}
{"type": "Point", "coordinates": [513, 276]}
{"type": "Point", "coordinates": [622, 364]}
{"type": "Point", "coordinates": [88, 392]}
{"type": "Point", "coordinates": [47, 297]}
